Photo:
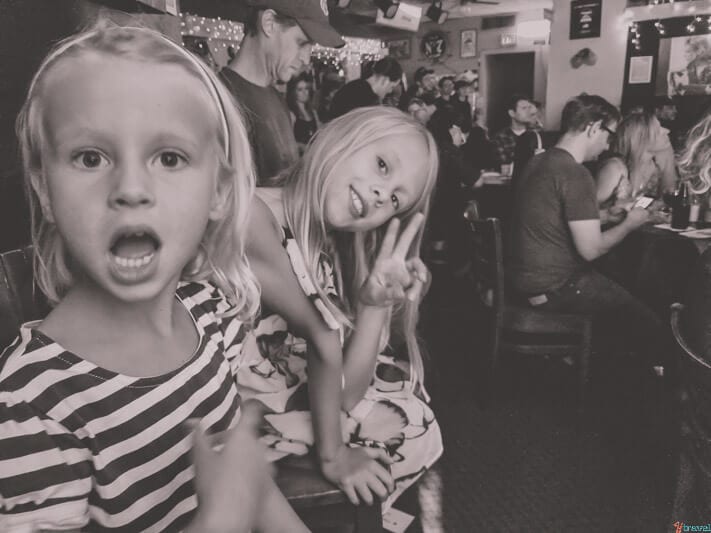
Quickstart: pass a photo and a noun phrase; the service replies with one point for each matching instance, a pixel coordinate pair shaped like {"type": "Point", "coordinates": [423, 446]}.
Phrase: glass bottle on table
{"type": "Point", "coordinates": [681, 207]}
{"type": "Point", "coordinates": [695, 204]}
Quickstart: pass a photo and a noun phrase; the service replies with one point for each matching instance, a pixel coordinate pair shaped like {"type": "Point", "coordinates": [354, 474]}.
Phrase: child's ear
{"type": "Point", "coordinates": [220, 199]}
{"type": "Point", "coordinates": [39, 186]}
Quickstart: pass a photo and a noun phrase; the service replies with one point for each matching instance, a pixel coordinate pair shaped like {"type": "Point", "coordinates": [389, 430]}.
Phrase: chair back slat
{"type": "Point", "coordinates": [20, 300]}
{"type": "Point", "coordinates": [487, 260]}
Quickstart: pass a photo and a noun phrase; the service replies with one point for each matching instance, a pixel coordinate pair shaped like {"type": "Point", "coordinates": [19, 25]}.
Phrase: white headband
{"type": "Point", "coordinates": [201, 67]}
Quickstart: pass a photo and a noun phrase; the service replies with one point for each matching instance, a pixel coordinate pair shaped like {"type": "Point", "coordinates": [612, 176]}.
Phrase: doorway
{"type": "Point", "coordinates": [507, 74]}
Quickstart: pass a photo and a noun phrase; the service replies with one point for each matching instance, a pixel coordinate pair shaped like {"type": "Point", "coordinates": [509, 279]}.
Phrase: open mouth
{"type": "Point", "coordinates": [357, 204]}
{"type": "Point", "coordinates": [133, 248]}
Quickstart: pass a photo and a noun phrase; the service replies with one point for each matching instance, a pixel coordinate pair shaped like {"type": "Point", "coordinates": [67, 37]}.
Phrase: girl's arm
{"type": "Point", "coordinates": [351, 469]}
{"type": "Point", "coordinates": [608, 178]}
{"type": "Point", "coordinates": [393, 279]}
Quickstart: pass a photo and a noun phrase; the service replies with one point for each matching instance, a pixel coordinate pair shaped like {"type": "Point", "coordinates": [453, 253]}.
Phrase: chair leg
{"type": "Point", "coordinates": [584, 362]}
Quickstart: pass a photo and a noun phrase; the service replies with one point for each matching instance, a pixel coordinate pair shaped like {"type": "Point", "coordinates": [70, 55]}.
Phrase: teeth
{"type": "Point", "coordinates": [357, 203]}
{"type": "Point", "coordinates": [133, 262]}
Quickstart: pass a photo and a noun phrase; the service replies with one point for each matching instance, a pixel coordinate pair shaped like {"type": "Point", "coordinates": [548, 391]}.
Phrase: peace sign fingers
{"type": "Point", "coordinates": [407, 236]}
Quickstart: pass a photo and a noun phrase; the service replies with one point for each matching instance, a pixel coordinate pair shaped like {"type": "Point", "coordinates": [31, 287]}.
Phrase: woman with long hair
{"type": "Point", "coordinates": [299, 98]}
{"type": "Point", "coordinates": [641, 163]}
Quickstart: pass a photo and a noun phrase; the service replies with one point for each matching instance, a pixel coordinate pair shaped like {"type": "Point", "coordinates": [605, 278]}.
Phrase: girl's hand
{"type": "Point", "coordinates": [359, 472]}
{"type": "Point", "coordinates": [230, 483]}
{"type": "Point", "coordinates": [394, 277]}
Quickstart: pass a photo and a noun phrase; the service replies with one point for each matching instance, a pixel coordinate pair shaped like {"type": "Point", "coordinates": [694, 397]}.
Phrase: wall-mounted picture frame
{"type": "Point", "coordinates": [640, 69]}
{"type": "Point", "coordinates": [467, 43]}
{"type": "Point", "coordinates": [400, 48]}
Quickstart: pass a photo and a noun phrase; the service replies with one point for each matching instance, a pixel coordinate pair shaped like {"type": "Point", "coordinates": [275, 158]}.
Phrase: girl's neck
{"type": "Point", "coordinates": [140, 339]}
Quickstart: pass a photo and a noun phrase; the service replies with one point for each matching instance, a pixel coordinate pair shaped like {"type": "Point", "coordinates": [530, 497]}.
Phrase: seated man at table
{"type": "Point", "coordinates": [555, 231]}
{"type": "Point", "coordinates": [518, 142]}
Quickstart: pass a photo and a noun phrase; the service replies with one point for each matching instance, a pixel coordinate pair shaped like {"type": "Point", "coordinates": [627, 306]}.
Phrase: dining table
{"type": "Point", "coordinates": [655, 261]}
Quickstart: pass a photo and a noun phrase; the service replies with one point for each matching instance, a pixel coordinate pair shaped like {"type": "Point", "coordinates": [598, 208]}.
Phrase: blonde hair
{"type": "Point", "coordinates": [353, 254]}
{"type": "Point", "coordinates": [695, 160]}
{"type": "Point", "coordinates": [221, 257]}
{"type": "Point", "coordinates": [632, 140]}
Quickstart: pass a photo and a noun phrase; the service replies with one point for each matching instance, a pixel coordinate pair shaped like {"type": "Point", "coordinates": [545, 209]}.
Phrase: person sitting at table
{"type": "Point", "coordinates": [637, 165]}
{"type": "Point", "coordinates": [518, 142]}
{"type": "Point", "coordinates": [555, 233]}
{"type": "Point", "coordinates": [446, 231]}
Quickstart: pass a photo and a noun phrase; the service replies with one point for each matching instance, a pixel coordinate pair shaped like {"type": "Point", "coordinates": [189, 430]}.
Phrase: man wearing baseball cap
{"type": "Point", "coordinates": [279, 35]}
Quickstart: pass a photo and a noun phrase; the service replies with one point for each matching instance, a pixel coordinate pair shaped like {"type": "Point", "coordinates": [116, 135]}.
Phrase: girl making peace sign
{"type": "Point", "coordinates": [338, 278]}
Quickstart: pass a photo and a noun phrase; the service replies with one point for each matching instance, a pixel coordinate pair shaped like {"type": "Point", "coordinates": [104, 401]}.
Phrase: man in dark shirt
{"type": "Point", "coordinates": [279, 35]}
{"type": "Point", "coordinates": [378, 81]}
{"type": "Point", "coordinates": [555, 231]}
{"type": "Point", "coordinates": [517, 143]}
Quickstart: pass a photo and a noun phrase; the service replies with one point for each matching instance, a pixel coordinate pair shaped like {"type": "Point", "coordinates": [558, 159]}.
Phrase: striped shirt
{"type": "Point", "coordinates": [84, 447]}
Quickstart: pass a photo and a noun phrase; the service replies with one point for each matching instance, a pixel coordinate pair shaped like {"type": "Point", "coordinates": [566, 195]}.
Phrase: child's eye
{"type": "Point", "coordinates": [90, 159]}
{"type": "Point", "coordinates": [172, 160]}
{"type": "Point", "coordinates": [395, 201]}
{"type": "Point", "coordinates": [382, 165]}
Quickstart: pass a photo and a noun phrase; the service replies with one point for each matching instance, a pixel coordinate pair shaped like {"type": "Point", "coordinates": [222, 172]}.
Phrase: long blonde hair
{"type": "Point", "coordinates": [221, 257]}
{"type": "Point", "coordinates": [353, 254]}
{"type": "Point", "coordinates": [632, 141]}
{"type": "Point", "coordinates": [695, 160]}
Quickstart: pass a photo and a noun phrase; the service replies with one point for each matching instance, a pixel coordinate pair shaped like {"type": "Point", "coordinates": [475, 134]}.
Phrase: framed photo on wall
{"type": "Point", "coordinates": [467, 43]}
{"type": "Point", "coordinates": [400, 48]}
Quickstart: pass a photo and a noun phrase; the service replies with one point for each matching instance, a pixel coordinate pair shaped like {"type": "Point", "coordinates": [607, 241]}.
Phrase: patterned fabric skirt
{"type": "Point", "coordinates": [272, 370]}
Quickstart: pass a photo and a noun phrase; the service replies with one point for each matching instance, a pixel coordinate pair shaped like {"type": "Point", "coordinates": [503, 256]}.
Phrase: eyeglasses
{"type": "Point", "coordinates": [608, 130]}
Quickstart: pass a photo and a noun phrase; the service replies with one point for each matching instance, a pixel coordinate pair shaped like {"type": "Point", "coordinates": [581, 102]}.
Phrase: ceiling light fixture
{"type": "Point", "coordinates": [388, 7]}
{"type": "Point", "coordinates": [436, 13]}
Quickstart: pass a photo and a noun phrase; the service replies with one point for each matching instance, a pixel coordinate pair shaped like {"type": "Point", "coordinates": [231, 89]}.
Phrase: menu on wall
{"type": "Point", "coordinates": [585, 16]}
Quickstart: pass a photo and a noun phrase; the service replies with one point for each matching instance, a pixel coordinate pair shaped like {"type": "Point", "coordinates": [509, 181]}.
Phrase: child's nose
{"type": "Point", "coordinates": [379, 195]}
{"type": "Point", "coordinates": [133, 187]}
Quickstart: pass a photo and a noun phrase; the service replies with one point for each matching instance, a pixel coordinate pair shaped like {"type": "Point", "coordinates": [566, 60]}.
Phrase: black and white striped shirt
{"type": "Point", "coordinates": [84, 447]}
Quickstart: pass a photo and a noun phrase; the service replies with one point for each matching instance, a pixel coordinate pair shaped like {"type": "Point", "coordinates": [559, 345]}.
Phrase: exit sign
{"type": "Point", "coordinates": [507, 39]}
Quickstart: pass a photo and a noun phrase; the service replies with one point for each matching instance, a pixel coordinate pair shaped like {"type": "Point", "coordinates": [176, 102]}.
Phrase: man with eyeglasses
{"type": "Point", "coordinates": [556, 233]}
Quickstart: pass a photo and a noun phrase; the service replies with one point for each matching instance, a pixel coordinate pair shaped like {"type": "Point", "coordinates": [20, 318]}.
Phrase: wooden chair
{"type": "Point", "coordinates": [20, 299]}
{"type": "Point", "coordinates": [319, 503]}
{"type": "Point", "coordinates": [518, 328]}
{"type": "Point", "coordinates": [692, 499]}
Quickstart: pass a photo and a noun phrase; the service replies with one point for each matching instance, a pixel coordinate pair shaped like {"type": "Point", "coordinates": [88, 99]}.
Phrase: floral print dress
{"type": "Point", "coordinates": [392, 415]}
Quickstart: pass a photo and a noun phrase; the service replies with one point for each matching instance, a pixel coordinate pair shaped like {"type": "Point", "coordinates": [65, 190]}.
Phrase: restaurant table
{"type": "Point", "coordinates": [654, 262]}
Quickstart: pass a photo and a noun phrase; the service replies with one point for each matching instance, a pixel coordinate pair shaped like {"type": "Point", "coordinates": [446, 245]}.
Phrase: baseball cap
{"type": "Point", "coordinates": [422, 72]}
{"type": "Point", "coordinates": [312, 16]}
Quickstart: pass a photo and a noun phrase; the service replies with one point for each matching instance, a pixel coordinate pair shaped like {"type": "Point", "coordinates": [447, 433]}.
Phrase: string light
{"type": "Point", "coordinates": [354, 52]}
{"type": "Point", "coordinates": [217, 32]}
{"type": "Point", "coordinates": [223, 33]}
{"type": "Point", "coordinates": [660, 27]}
{"type": "Point", "coordinates": [634, 31]}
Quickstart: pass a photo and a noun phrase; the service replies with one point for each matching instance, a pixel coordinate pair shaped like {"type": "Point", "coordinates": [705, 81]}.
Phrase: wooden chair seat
{"type": "Point", "coordinates": [518, 328]}
{"type": "Point", "coordinates": [319, 503]}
